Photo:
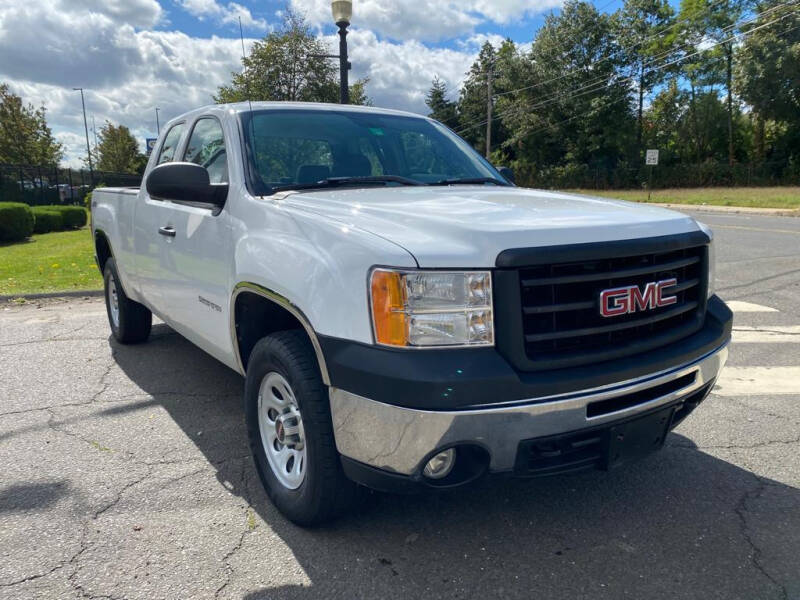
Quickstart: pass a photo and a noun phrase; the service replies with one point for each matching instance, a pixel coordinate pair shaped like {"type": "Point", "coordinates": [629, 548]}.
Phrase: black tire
{"type": "Point", "coordinates": [325, 491]}
{"type": "Point", "coordinates": [134, 320]}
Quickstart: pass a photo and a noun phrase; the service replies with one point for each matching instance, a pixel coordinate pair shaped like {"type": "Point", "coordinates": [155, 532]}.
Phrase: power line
{"type": "Point", "coordinates": [613, 54]}
{"type": "Point", "coordinates": [572, 118]}
{"type": "Point", "coordinates": [601, 82]}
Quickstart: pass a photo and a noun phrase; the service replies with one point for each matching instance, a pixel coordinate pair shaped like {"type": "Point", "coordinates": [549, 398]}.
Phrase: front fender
{"type": "Point", "coordinates": [318, 266]}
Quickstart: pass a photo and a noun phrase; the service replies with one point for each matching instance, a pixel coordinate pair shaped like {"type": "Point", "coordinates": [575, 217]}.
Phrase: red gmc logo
{"type": "Point", "coordinates": [630, 299]}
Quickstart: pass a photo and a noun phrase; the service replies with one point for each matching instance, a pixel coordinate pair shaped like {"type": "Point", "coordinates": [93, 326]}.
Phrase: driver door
{"type": "Point", "coordinates": [197, 288]}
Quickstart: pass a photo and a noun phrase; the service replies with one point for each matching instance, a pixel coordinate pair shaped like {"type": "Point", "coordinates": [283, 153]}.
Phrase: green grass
{"type": "Point", "coordinates": [766, 197]}
{"type": "Point", "coordinates": [50, 262]}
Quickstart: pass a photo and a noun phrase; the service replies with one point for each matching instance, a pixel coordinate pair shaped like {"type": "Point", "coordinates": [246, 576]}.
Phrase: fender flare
{"type": "Point", "coordinates": [285, 303]}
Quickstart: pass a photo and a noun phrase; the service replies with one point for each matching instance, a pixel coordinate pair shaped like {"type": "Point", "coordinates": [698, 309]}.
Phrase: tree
{"type": "Point", "coordinates": [25, 137]}
{"type": "Point", "coordinates": [117, 150]}
{"type": "Point", "coordinates": [768, 72]}
{"type": "Point", "coordinates": [572, 107]}
{"type": "Point", "coordinates": [645, 33]}
{"type": "Point", "coordinates": [443, 110]}
{"type": "Point", "coordinates": [287, 65]}
{"type": "Point", "coordinates": [715, 21]}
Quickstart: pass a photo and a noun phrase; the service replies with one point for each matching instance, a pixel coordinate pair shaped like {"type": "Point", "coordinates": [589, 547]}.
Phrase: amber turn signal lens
{"type": "Point", "coordinates": [388, 308]}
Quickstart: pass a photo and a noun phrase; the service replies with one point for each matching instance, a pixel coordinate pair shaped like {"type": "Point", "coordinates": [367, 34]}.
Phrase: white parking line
{"type": "Point", "coordinates": [755, 381]}
{"type": "Point", "coordinates": [767, 334]}
{"type": "Point", "coordinates": [738, 306]}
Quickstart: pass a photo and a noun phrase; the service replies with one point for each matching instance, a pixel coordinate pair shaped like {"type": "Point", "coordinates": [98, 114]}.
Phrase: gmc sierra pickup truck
{"type": "Point", "coordinates": [404, 316]}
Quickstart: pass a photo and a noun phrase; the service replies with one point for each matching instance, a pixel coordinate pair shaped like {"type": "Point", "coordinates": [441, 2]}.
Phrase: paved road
{"type": "Point", "coordinates": [124, 474]}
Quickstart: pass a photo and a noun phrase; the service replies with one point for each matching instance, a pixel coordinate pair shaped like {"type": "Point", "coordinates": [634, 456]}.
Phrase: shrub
{"type": "Point", "coordinates": [16, 221]}
{"type": "Point", "coordinates": [73, 217]}
{"type": "Point", "coordinates": [47, 220]}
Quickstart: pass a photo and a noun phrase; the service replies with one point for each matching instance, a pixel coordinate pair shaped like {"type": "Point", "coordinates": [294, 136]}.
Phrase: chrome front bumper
{"type": "Point", "coordinates": [397, 439]}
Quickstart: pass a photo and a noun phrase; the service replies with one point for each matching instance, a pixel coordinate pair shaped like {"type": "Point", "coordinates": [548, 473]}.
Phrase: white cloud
{"type": "Point", "coordinates": [228, 14]}
{"type": "Point", "coordinates": [401, 74]}
{"type": "Point", "coordinates": [137, 13]}
{"type": "Point", "coordinates": [127, 71]}
{"type": "Point", "coordinates": [426, 20]}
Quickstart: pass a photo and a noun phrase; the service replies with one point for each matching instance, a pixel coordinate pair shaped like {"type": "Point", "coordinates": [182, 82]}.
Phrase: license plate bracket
{"type": "Point", "coordinates": [634, 439]}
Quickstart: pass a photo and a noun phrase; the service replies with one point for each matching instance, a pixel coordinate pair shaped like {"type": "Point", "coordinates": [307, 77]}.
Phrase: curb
{"type": "Point", "coordinates": [731, 210]}
{"type": "Point", "coordinates": [83, 294]}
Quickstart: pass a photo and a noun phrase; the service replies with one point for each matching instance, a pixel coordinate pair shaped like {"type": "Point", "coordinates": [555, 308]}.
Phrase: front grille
{"type": "Point", "coordinates": [560, 303]}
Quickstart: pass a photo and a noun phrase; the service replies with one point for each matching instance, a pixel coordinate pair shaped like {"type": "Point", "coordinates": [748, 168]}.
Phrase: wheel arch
{"type": "Point", "coordinates": [102, 249]}
{"type": "Point", "coordinates": [266, 312]}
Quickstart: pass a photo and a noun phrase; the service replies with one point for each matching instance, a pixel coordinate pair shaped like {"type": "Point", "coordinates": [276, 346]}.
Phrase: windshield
{"type": "Point", "coordinates": [291, 149]}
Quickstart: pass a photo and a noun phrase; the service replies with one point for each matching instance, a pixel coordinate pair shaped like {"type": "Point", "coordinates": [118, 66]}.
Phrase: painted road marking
{"type": "Point", "coordinates": [767, 334]}
{"type": "Point", "coordinates": [758, 381]}
{"type": "Point", "coordinates": [793, 231]}
{"type": "Point", "coordinates": [739, 306]}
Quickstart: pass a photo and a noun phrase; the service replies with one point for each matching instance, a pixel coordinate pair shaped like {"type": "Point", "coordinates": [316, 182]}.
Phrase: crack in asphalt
{"type": "Point", "coordinates": [741, 511]}
{"type": "Point", "coordinates": [45, 341]}
{"type": "Point", "coordinates": [736, 446]}
{"type": "Point", "coordinates": [226, 559]}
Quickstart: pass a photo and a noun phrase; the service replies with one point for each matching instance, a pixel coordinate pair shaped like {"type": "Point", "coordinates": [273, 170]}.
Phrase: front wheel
{"type": "Point", "coordinates": [290, 432]}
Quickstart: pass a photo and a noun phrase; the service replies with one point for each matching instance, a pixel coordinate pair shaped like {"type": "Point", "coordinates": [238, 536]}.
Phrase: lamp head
{"type": "Point", "coordinates": [342, 11]}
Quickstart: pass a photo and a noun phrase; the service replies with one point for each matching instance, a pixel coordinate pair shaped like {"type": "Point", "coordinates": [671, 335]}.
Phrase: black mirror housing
{"type": "Point", "coordinates": [508, 173]}
{"type": "Point", "coordinates": [185, 182]}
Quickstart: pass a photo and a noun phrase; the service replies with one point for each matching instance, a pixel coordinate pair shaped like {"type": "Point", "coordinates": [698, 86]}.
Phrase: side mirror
{"type": "Point", "coordinates": [507, 172]}
{"type": "Point", "coordinates": [185, 182]}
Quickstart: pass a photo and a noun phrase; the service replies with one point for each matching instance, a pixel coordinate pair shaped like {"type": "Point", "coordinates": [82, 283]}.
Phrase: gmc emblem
{"type": "Point", "coordinates": [630, 299]}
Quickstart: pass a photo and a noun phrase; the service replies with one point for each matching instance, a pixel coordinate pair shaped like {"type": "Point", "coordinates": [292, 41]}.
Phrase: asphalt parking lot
{"type": "Point", "coordinates": [124, 473]}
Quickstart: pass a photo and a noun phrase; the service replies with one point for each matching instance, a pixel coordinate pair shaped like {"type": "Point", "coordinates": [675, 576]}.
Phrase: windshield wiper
{"type": "Point", "coordinates": [344, 181]}
{"type": "Point", "coordinates": [469, 181]}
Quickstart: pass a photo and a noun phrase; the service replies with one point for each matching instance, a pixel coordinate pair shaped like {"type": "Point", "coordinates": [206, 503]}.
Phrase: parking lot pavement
{"type": "Point", "coordinates": [124, 473]}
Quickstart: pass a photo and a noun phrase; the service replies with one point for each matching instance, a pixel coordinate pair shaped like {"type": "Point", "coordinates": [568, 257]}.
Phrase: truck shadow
{"type": "Point", "coordinates": [681, 523]}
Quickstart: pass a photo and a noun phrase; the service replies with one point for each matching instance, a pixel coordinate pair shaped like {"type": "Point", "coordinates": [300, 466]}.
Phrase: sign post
{"type": "Point", "coordinates": [651, 160]}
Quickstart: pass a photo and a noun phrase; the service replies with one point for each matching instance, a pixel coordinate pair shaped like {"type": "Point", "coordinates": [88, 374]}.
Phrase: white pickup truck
{"type": "Point", "coordinates": [404, 316]}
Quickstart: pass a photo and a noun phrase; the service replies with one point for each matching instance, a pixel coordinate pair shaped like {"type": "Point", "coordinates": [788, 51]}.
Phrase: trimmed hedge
{"type": "Point", "coordinates": [74, 217]}
{"type": "Point", "coordinates": [16, 221]}
{"type": "Point", "coordinates": [47, 220]}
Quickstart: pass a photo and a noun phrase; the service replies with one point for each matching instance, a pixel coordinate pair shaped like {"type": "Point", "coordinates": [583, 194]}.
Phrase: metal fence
{"type": "Point", "coordinates": [36, 185]}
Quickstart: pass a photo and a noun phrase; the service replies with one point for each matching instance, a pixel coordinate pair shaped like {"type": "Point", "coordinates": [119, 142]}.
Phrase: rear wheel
{"type": "Point", "coordinates": [290, 431]}
{"type": "Point", "coordinates": [130, 321]}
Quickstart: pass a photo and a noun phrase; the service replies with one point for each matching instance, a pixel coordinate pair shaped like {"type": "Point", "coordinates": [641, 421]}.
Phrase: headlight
{"type": "Point", "coordinates": [432, 308]}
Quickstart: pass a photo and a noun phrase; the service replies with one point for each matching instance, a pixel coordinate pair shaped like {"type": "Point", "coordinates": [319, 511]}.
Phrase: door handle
{"type": "Point", "coordinates": [168, 231]}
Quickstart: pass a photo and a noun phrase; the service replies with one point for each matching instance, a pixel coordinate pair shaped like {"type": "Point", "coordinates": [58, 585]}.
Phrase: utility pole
{"type": "Point", "coordinates": [86, 129]}
{"type": "Point", "coordinates": [489, 106]}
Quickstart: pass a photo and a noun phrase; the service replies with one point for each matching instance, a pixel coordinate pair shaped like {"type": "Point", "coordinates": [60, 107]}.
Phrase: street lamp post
{"type": "Point", "coordinates": [342, 12]}
{"type": "Point", "coordinates": [86, 129]}
{"type": "Point", "coordinates": [158, 124]}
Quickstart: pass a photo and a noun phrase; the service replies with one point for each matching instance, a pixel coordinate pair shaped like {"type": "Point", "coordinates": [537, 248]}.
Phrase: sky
{"type": "Point", "coordinates": [132, 56]}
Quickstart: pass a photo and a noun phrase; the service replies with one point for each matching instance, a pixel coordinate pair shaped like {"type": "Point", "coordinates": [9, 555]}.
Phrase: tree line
{"type": "Point", "coordinates": [714, 85]}
{"type": "Point", "coordinates": [26, 139]}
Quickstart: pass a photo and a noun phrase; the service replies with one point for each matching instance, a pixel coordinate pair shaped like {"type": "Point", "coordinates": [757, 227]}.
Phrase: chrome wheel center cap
{"type": "Point", "coordinates": [280, 431]}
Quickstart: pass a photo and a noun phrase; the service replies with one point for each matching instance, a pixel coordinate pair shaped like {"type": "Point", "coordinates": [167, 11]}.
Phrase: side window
{"type": "Point", "coordinates": [206, 148]}
{"type": "Point", "coordinates": [167, 153]}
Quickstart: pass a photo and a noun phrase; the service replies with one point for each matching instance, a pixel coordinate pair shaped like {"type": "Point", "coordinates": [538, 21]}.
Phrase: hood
{"type": "Point", "coordinates": [468, 226]}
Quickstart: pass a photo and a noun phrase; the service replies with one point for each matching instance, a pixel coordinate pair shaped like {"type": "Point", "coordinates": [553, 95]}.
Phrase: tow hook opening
{"type": "Point", "coordinates": [454, 466]}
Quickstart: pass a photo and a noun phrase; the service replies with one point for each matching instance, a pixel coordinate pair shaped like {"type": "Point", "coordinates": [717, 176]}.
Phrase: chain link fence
{"type": "Point", "coordinates": [37, 185]}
